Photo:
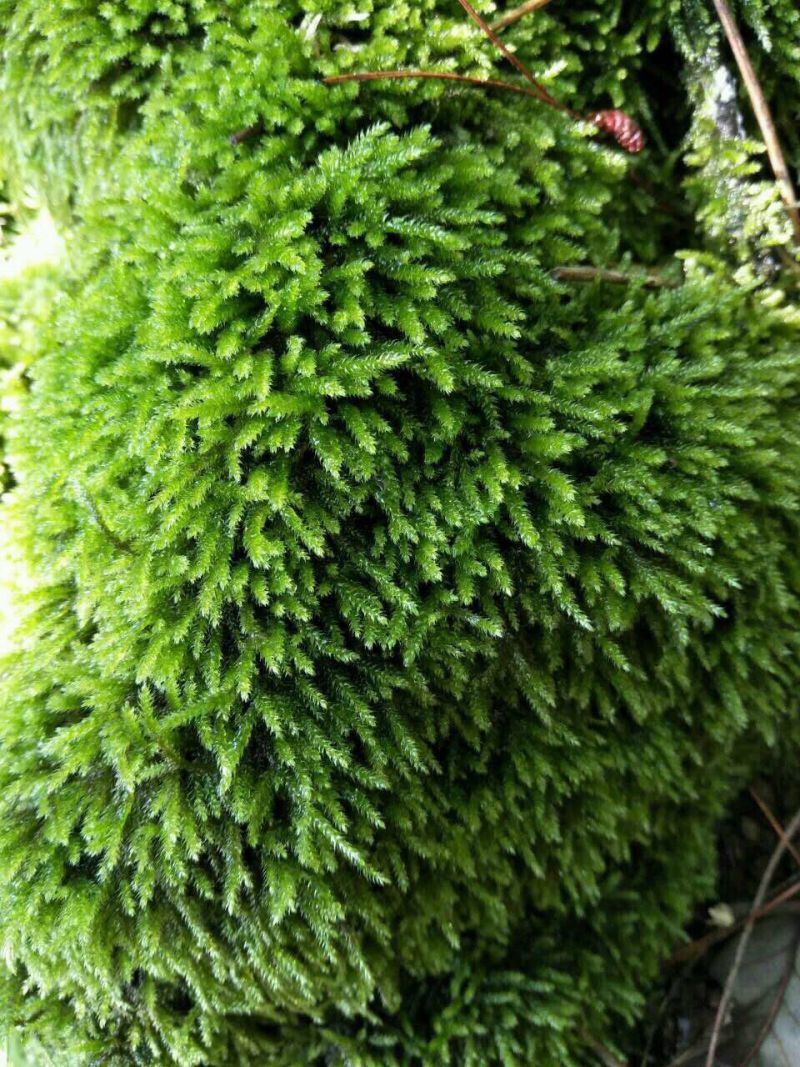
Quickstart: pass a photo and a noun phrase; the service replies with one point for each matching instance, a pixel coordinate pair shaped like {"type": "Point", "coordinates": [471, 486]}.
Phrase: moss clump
{"type": "Point", "coordinates": [406, 615]}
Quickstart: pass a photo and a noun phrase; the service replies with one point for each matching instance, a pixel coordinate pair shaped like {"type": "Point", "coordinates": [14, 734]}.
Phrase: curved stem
{"type": "Point", "coordinates": [378, 75]}
{"type": "Point", "coordinates": [517, 14]}
{"type": "Point", "coordinates": [512, 59]}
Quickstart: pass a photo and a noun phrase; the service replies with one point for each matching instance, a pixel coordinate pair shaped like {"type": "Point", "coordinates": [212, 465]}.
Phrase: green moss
{"type": "Point", "coordinates": [406, 615]}
{"type": "Point", "coordinates": [32, 275]}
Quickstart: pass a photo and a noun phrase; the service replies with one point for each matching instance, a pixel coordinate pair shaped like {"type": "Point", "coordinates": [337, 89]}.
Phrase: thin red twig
{"type": "Point", "coordinates": [378, 75]}
{"type": "Point", "coordinates": [698, 948]}
{"type": "Point", "coordinates": [763, 888]}
{"type": "Point", "coordinates": [776, 826]}
{"type": "Point", "coordinates": [782, 898]}
{"type": "Point", "coordinates": [512, 59]}
{"type": "Point", "coordinates": [625, 131]}
{"type": "Point", "coordinates": [517, 14]}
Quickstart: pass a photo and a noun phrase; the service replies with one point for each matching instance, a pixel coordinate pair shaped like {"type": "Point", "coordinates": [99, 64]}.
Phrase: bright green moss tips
{"type": "Point", "coordinates": [74, 73]}
{"type": "Point", "coordinates": [32, 276]}
{"type": "Point", "coordinates": [404, 617]}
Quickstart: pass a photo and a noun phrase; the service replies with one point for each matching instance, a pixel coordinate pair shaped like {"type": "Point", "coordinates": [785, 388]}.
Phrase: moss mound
{"type": "Point", "coordinates": [407, 610]}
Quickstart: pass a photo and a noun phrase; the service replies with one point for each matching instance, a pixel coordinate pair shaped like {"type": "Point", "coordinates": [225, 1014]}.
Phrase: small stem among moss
{"type": "Point", "coordinates": [776, 826]}
{"type": "Point", "coordinates": [762, 113]}
{"type": "Point", "coordinates": [517, 14]}
{"type": "Point", "coordinates": [512, 59]}
{"type": "Point", "coordinates": [697, 949]}
{"type": "Point", "coordinates": [247, 134]}
{"type": "Point", "coordinates": [618, 277]}
{"type": "Point", "coordinates": [378, 75]}
{"type": "Point", "coordinates": [101, 523]}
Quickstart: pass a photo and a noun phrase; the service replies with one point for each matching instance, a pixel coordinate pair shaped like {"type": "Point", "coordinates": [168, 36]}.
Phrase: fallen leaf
{"type": "Point", "coordinates": [765, 1022]}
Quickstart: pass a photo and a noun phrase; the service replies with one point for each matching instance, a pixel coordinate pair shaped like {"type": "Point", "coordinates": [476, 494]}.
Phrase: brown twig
{"type": "Point", "coordinates": [763, 888]}
{"type": "Point", "coordinates": [696, 949]}
{"type": "Point", "coordinates": [776, 826]}
{"type": "Point", "coordinates": [781, 898]}
{"type": "Point", "coordinates": [247, 134]}
{"type": "Point", "coordinates": [512, 59]}
{"type": "Point", "coordinates": [94, 511]}
{"type": "Point", "coordinates": [517, 14]}
{"type": "Point", "coordinates": [785, 979]}
{"type": "Point", "coordinates": [378, 75]}
{"type": "Point", "coordinates": [762, 113]}
{"type": "Point", "coordinates": [617, 277]}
